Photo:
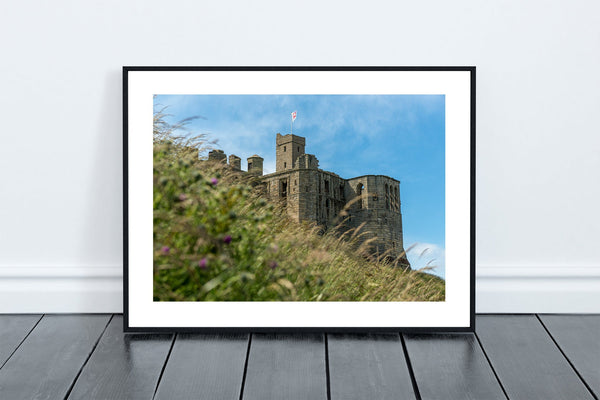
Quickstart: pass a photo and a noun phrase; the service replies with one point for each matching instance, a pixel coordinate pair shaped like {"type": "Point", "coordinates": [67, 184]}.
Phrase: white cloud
{"type": "Point", "coordinates": [423, 255]}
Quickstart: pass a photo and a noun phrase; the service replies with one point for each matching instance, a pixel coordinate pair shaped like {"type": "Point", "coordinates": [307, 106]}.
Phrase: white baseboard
{"type": "Point", "coordinates": [50, 289]}
{"type": "Point", "coordinates": [509, 289]}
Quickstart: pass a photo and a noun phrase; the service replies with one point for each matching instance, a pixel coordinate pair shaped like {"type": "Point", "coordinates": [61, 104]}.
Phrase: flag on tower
{"type": "Point", "coordinates": [293, 116]}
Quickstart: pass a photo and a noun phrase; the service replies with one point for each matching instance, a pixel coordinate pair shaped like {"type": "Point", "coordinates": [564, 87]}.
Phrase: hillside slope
{"type": "Point", "coordinates": [215, 239]}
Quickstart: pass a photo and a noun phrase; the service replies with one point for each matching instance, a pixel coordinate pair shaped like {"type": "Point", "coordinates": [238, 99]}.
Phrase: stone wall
{"type": "Point", "coordinates": [235, 162]}
{"type": "Point", "coordinates": [379, 210]}
{"type": "Point", "coordinates": [288, 149]}
{"type": "Point", "coordinates": [255, 165]}
{"type": "Point", "coordinates": [319, 196]}
{"type": "Point", "coordinates": [217, 155]}
{"type": "Point", "coordinates": [308, 194]}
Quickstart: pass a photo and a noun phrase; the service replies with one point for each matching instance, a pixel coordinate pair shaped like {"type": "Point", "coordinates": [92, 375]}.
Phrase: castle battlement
{"type": "Point", "coordinates": [312, 194]}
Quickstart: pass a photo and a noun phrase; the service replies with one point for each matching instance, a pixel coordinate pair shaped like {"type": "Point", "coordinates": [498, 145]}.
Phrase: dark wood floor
{"type": "Point", "coordinates": [510, 356]}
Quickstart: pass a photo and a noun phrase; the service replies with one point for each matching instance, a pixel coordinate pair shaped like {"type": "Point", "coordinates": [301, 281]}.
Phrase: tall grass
{"type": "Point", "coordinates": [217, 239]}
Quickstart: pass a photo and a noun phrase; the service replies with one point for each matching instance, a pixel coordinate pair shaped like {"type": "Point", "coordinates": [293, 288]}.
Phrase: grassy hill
{"type": "Point", "coordinates": [216, 239]}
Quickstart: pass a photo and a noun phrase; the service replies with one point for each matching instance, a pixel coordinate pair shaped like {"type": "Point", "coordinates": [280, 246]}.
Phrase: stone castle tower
{"type": "Point", "coordinates": [312, 194]}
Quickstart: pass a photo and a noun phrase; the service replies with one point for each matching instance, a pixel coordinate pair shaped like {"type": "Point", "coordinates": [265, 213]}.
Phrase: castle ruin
{"type": "Point", "coordinates": [312, 194]}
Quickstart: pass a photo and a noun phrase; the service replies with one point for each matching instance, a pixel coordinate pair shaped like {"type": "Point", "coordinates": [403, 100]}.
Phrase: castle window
{"type": "Point", "coordinates": [298, 149]}
{"type": "Point", "coordinates": [284, 165]}
{"type": "Point", "coordinates": [375, 198]}
{"type": "Point", "coordinates": [284, 149]}
{"type": "Point", "coordinates": [249, 166]}
{"type": "Point", "coordinates": [327, 187]}
{"type": "Point", "coordinates": [359, 190]}
{"type": "Point", "coordinates": [295, 182]}
{"type": "Point", "coordinates": [306, 189]}
{"type": "Point", "coordinates": [283, 188]}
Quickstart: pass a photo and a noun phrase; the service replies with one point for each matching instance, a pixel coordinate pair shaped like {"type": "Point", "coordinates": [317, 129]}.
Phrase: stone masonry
{"type": "Point", "coordinates": [312, 194]}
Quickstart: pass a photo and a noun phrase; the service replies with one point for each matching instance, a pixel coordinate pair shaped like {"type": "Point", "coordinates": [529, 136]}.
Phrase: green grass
{"type": "Point", "coordinates": [217, 239]}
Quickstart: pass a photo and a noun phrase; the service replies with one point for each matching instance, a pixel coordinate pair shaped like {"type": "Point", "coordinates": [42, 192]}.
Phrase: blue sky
{"type": "Point", "coordinates": [402, 136]}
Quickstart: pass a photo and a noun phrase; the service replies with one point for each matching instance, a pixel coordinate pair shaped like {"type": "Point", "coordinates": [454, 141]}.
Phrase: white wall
{"type": "Point", "coordinates": [538, 127]}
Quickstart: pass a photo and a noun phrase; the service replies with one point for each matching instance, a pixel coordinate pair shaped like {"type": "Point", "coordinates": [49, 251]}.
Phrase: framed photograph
{"type": "Point", "coordinates": [326, 199]}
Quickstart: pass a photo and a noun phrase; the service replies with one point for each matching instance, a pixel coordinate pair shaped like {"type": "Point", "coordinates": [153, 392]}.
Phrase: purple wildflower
{"type": "Point", "coordinates": [182, 197]}
{"type": "Point", "coordinates": [273, 264]}
{"type": "Point", "coordinates": [214, 181]}
{"type": "Point", "coordinates": [227, 239]}
{"type": "Point", "coordinates": [202, 263]}
{"type": "Point", "coordinates": [165, 249]}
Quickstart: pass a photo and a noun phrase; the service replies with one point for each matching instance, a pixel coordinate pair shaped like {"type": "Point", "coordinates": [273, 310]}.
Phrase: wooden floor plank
{"type": "Point", "coordinates": [46, 364]}
{"type": "Point", "coordinates": [451, 366]}
{"type": "Point", "coordinates": [579, 338]}
{"type": "Point", "coordinates": [368, 366]}
{"type": "Point", "coordinates": [286, 366]}
{"type": "Point", "coordinates": [526, 360]}
{"type": "Point", "coordinates": [123, 366]}
{"type": "Point", "coordinates": [203, 366]}
{"type": "Point", "coordinates": [13, 329]}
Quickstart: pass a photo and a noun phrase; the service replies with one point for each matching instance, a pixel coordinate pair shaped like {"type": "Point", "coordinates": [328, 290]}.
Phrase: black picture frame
{"type": "Point", "coordinates": [130, 326]}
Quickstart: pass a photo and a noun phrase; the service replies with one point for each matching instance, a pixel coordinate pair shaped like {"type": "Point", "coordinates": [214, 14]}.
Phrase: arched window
{"type": "Point", "coordinates": [359, 192]}
{"type": "Point", "coordinates": [396, 199]}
